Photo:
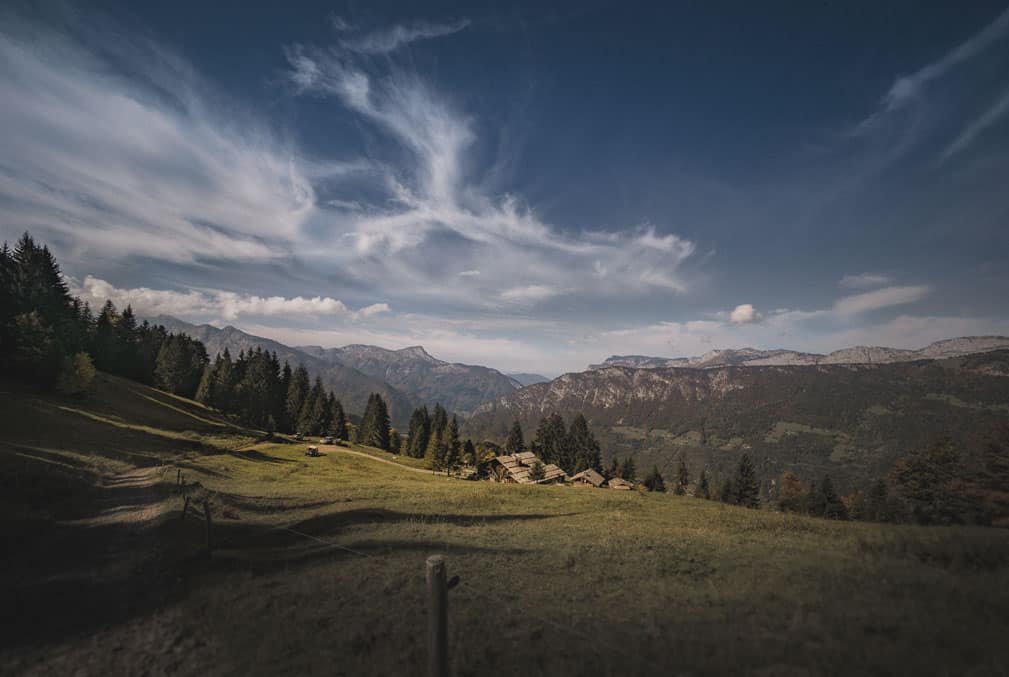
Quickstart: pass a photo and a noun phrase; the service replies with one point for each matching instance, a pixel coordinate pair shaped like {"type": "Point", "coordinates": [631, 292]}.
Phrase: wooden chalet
{"type": "Point", "coordinates": [516, 469]}
{"type": "Point", "coordinates": [588, 478]}
{"type": "Point", "coordinates": [620, 483]}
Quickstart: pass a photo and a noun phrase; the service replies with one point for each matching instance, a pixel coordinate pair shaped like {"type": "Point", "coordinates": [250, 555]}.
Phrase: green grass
{"type": "Point", "coordinates": [554, 580]}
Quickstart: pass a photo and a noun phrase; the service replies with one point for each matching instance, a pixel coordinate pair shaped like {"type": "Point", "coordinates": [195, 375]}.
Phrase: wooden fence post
{"type": "Point", "coordinates": [206, 513]}
{"type": "Point", "coordinates": [437, 617]}
{"type": "Point", "coordinates": [185, 509]}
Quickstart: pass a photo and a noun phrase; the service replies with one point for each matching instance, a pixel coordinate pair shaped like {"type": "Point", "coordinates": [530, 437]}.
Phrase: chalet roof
{"type": "Point", "coordinates": [590, 476]}
{"type": "Point", "coordinates": [518, 467]}
{"type": "Point", "coordinates": [618, 482]}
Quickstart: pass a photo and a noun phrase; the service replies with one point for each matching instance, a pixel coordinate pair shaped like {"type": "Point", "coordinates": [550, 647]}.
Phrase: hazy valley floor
{"type": "Point", "coordinates": [319, 565]}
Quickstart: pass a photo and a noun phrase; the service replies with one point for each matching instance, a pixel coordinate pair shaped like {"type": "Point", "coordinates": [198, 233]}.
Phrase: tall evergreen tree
{"type": "Point", "coordinates": [311, 408]}
{"type": "Point", "coordinates": [374, 429]}
{"type": "Point", "coordinates": [418, 433]}
{"type": "Point", "coordinates": [338, 426]}
{"type": "Point", "coordinates": [703, 487]}
{"type": "Point", "coordinates": [297, 393]}
{"type": "Point", "coordinates": [827, 503]}
{"type": "Point", "coordinates": [628, 471]}
{"type": "Point", "coordinates": [583, 448]}
{"type": "Point", "coordinates": [744, 485]}
{"type": "Point", "coordinates": [654, 480]}
{"type": "Point", "coordinates": [453, 446]}
{"type": "Point", "coordinates": [682, 478]}
{"type": "Point", "coordinates": [515, 442]}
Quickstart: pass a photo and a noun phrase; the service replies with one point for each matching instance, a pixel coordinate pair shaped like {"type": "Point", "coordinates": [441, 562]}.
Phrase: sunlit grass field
{"type": "Point", "coordinates": [318, 565]}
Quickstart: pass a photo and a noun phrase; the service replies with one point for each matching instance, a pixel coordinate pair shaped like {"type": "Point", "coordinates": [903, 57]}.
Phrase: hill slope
{"type": "Point", "coordinates": [319, 563]}
{"type": "Point", "coordinates": [458, 387]}
{"type": "Point", "coordinates": [851, 421]}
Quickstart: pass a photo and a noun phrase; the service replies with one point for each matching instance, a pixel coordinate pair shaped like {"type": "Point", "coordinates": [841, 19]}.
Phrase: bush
{"type": "Point", "coordinates": [76, 375]}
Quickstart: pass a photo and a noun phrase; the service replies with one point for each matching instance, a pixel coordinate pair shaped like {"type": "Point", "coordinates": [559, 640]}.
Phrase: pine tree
{"type": "Point", "coordinates": [876, 503]}
{"type": "Point", "coordinates": [374, 429]}
{"type": "Point", "coordinates": [654, 481]}
{"type": "Point", "coordinates": [827, 503]}
{"type": "Point", "coordinates": [205, 391]}
{"type": "Point", "coordinates": [682, 479]}
{"type": "Point", "coordinates": [537, 472]}
{"type": "Point", "coordinates": [727, 493]}
{"type": "Point", "coordinates": [703, 489]}
{"type": "Point", "coordinates": [338, 425]}
{"type": "Point", "coordinates": [584, 449]}
{"type": "Point", "coordinates": [469, 453]}
{"type": "Point", "coordinates": [614, 469]}
{"type": "Point", "coordinates": [516, 442]}
{"type": "Point", "coordinates": [627, 470]}
{"type": "Point", "coordinates": [297, 393]}
{"type": "Point", "coordinates": [745, 489]}
{"type": "Point", "coordinates": [453, 447]}
{"type": "Point", "coordinates": [419, 432]}
{"type": "Point", "coordinates": [311, 409]}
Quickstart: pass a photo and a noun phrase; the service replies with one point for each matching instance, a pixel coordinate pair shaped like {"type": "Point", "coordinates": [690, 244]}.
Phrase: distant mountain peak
{"type": "Point", "coordinates": [753, 357]}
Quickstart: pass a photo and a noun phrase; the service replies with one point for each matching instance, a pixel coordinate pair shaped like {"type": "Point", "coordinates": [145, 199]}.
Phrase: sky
{"type": "Point", "coordinates": [532, 187]}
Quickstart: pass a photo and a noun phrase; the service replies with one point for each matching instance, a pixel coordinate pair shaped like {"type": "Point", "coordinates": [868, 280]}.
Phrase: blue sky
{"type": "Point", "coordinates": [529, 187]}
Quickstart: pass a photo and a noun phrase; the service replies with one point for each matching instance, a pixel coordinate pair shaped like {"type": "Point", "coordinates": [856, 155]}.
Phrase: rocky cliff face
{"type": "Point", "coordinates": [847, 420]}
{"type": "Point", "coordinates": [458, 387]}
{"type": "Point", "coordinates": [967, 345]}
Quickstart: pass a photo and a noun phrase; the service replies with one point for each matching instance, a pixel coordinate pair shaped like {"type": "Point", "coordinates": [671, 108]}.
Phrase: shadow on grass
{"type": "Point", "coordinates": [258, 456]}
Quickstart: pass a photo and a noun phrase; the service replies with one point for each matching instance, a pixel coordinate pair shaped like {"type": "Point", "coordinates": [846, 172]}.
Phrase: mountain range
{"type": "Point", "coordinates": [753, 357]}
{"type": "Point", "coordinates": [405, 378]}
{"type": "Point", "coordinates": [849, 420]}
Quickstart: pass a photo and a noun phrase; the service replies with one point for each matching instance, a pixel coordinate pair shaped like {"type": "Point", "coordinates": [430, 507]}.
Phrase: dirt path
{"type": "Point", "coordinates": [333, 447]}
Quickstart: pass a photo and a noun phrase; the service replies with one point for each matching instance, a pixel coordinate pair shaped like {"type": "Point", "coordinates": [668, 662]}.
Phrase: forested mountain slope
{"type": "Point", "coordinates": [851, 421]}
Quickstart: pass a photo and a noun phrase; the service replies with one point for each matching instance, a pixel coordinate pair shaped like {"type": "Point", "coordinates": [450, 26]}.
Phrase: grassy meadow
{"type": "Point", "coordinates": [319, 565]}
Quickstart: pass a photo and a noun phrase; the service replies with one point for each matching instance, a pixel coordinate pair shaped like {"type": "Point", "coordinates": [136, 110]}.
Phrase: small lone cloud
{"type": "Point", "coordinates": [745, 314]}
{"type": "Point", "coordinates": [469, 273]}
{"type": "Point", "coordinates": [864, 281]}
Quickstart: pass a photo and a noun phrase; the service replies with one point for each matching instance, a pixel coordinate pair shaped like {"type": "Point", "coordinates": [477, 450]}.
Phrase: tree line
{"type": "Point", "coordinates": [434, 437]}
{"type": "Point", "coordinates": [571, 448]}
{"type": "Point", "coordinates": [52, 339]}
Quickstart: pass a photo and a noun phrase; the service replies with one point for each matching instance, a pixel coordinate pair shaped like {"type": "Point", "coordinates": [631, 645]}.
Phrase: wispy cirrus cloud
{"type": "Point", "coordinates": [390, 39]}
{"type": "Point", "coordinates": [879, 299]}
{"type": "Point", "coordinates": [435, 204]}
{"type": "Point", "coordinates": [864, 280]}
{"type": "Point", "coordinates": [146, 165]}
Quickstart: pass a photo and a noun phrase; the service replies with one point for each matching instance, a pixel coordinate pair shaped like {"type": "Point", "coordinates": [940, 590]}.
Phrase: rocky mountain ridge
{"type": "Point", "coordinates": [754, 357]}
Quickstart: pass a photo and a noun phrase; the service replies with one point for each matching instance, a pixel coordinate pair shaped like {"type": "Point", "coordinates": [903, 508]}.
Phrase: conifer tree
{"type": "Point", "coordinates": [469, 453]}
{"type": "Point", "coordinates": [614, 469]}
{"type": "Point", "coordinates": [654, 480]}
{"type": "Point", "coordinates": [703, 487]}
{"type": "Point", "coordinates": [297, 393]}
{"type": "Point", "coordinates": [338, 425]}
{"type": "Point", "coordinates": [728, 492]}
{"type": "Point", "coordinates": [205, 391]}
{"type": "Point", "coordinates": [583, 448]}
{"type": "Point", "coordinates": [627, 470]}
{"type": "Point", "coordinates": [876, 503]}
{"type": "Point", "coordinates": [682, 478]}
{"type": "Point", "coordinates": [311, 411]}
{"type": "Point", "coordinates": [827, 503]}
{"type": "Point", "coordinates": [537, 472]}
{"type": "Point", "coordinates": [746, 492]}
{"type": "Point", "coordinates": [453, 446]}
{"type": "Point", "coordinates": [418, 433]}
{"type": "Point", "coordinates": [515, 442]}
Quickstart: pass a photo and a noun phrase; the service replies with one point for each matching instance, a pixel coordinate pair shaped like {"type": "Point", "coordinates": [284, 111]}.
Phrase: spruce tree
{"type": "Point", "coordinates": [703, 487]}
{"type": "Point", "coordinates": [827, 503]}
{"type": "Point", "coordinates": [627, 470]}
{"type": "Point", "coordinates": [453, 446]}
{"type": "Point", "coordinates": [584, 449]}
{"type": "Point", "coordinates": [537, 472]}
{"type": "Point", "coordinates": [654, 481]}
{"type": "Point", "coordinates": [515, 442]}
{"type": "Point", "coordinates": [338, 425]}
{"type": "Point", "coordinates": [297, 392]}
{"type": "Point", "coordinates": [205, 391]}
{"type": "Point", "coordinates": [682, 478]}
{"type": "Point", "coordinates": [744, 485]}
{"type": "Point", "coordinates": [311, 409]}
{"type": "Point", "coordinates": [876, 503]}
{"type": "Point", "coordinates": [727, 493]}
{"type": "Point", "coordinates": [419, 432]}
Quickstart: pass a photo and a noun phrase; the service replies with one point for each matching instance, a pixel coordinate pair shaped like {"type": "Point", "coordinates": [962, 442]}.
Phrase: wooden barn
{"type": "Point", "coordinates": [516, 469]}
{"type": "Point", "coordinates": [618, 483]}
{"type": "Point", "coordinates": [588, 478]}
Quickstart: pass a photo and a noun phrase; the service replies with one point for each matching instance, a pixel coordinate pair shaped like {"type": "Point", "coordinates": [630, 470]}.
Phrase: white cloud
{"type": "Point", "coordinates": [744, 314]}
{"type": "Point", "coordinates": [532, 292]}
{"type": "Point", "coordinates": [390, 39]}
{"type": "Point", "coordinates": [978, 126]}
{"type": "Point", "coordinates": [880, 298]}
{"type": "Point", "coordinates": [906, 88]}
{"type": "Point", "coordinates": [864, 280]}
{"type": "Point", "coordinates": [435, 202]}
{"type": "Point", "coordinates": [215, 303]}
{"type": "Point", "coordinates": [122, 168]}
{"type": "Point", "coordinates": [469, 273]}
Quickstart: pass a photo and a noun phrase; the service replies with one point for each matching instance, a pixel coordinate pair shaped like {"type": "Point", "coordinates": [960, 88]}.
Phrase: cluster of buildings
{"type": "Point", "coordinates": [520, 469]}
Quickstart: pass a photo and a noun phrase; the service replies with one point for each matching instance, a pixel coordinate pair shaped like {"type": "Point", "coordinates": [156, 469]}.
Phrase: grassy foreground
{"type": "Point", "coordinates": [319, 565]}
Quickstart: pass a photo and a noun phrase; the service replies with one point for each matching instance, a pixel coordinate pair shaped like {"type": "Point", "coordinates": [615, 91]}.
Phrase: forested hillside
{"type": "Point", "coordinates": [851, 422]}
